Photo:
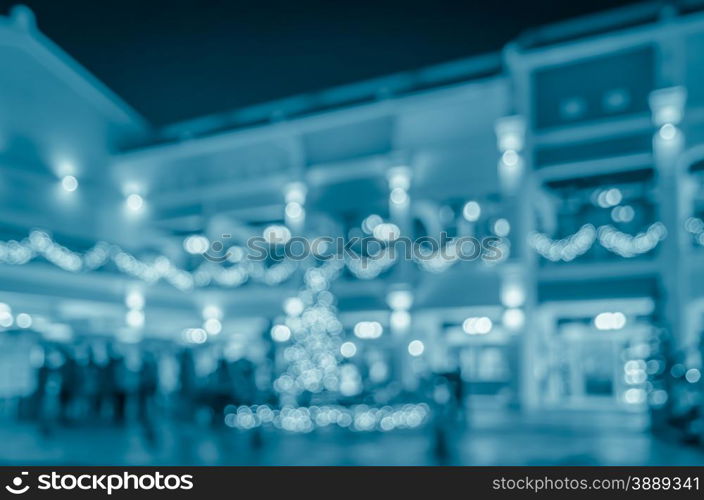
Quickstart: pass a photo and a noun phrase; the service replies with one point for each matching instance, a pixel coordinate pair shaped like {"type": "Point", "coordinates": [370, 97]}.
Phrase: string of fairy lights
{"type": "Point", "coordinates": [302, 419]}
{"type": "Point", "coordinates": [695, 227]}
{"type": "Point", "coordinates": [39, 244]}
{"type": "Point", "coordinates": [580, 242]}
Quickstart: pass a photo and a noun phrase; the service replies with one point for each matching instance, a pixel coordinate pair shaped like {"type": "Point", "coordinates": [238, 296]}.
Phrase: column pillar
{"type": "Point", "coordinates": [667, 107]}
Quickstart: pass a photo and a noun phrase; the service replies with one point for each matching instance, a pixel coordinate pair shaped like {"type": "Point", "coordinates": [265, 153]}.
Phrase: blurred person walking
{"type": "Point", "coordinates": [69, 388]}
{"type": "Point", "coordinates": [187, 384]}
{"type": "Point", "coordinates": [86, 390]}
{"type": "Point", "coordinates": [49, 382]}
{"type": "Point", "coordinates": [222, 388]}
{"type": "Point", "coordinates": [445, 407]}
{"type": "Point", "coordinates": [115, 387]}
{"type": "Point", "coordinates": [146, 395]}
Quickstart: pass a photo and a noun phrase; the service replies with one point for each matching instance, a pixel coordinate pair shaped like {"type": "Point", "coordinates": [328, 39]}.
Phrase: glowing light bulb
{"type": "Point", "coordinates": [510, 158]}
{"type": "Point", "coordinates": [293, 306]}
{"type": "Point", "coordinates": [69, 183]}
{"type": "Point", "coordinates": [23, 320]}
{"type": "Point", "coordinates": [472, 210]}
{"type": "Point", "coordinates": [348, 349]}
{"type": "Point", "coordinates": [513, 319]}
{"type": "Point", "coordinates": [502, 228]}
{"type": "Point", "coordinates": [513, 295]}
{"type": "Point", "coordinates": [668, 131]}
{"type": "Point", "coordinates": [212, 326]}
{"type": "Point", "coordinates": [416, 348]}
{"type": "Point", "coordinates": [135, 300]}
{"type": "Point", "coordinates": [280, 333]}
{"type": "Point", "coordinates": [134, 202]}
{"type": "Point", "coordinates": [196, 244]}
{"type": "Point", "coordinates": [134, 318]}
{"type": "Point", "coordinates": [294, 210]}
{"type": "Point", "coordinates": [398, 196]}
{"type": "Point", "coordinates": [400, 320]}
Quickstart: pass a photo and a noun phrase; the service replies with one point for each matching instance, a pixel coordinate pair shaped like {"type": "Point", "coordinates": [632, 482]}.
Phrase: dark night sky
{"type": "Point", "coordinates": [178, 59]}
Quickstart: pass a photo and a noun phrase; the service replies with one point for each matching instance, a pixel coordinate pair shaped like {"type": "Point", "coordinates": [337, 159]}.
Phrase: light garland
{"type": "Point", "coordinates": [695, 227]}
{"type": "Point", "coordinates": [613, 240]}
{"type": "Point", "coordinates": [40, 244]}
{"type": "Point", "coordinates": [625, 245]}
{"type": "Point", "coordinates": [358, 418]}
{"type": "Point", "coordinates": [367, 268]}
{"type": "Point", "coordinates": [565, 249]}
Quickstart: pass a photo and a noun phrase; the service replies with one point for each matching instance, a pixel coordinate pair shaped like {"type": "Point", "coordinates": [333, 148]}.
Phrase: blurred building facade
{"type": "Point", "coordinates": [579, 147]}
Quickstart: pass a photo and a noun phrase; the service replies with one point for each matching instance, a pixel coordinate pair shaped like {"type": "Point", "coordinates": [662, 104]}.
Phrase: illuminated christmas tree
{"type": "Point", "coordinates": [315, 334]}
